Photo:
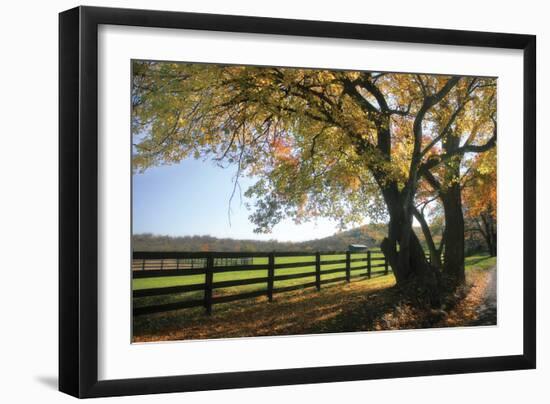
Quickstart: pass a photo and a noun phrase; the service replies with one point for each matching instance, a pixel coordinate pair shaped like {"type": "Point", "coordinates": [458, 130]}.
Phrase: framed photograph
{"type": "Point", "coordinates": [251, 201]}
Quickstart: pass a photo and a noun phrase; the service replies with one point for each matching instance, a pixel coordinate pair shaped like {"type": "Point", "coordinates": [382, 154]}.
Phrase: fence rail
{"type": "Point", "coordinates": [206, 265]}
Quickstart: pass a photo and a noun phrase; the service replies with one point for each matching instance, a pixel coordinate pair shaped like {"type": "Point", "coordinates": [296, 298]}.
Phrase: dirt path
{"type": "Point", "coordinates": [487, 310]}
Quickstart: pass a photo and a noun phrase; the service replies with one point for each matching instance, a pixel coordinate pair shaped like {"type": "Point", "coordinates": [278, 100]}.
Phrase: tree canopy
{"type": "Point", "coordinates": [338, 144]}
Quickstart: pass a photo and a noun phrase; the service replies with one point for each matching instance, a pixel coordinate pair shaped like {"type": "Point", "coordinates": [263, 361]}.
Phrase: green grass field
{"type": "Point", "coordinates": [478, 261]}
{"type": "Point", "coordinates": [160, 282]}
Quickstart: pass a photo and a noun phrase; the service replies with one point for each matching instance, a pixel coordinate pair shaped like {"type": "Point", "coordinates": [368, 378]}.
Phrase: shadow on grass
{"type": "Point", "coordinates": [358, 306]}
{"type": "Point", "coordinates": [362, 305]}
{"type": "Point", "coordinates": [375, 311]}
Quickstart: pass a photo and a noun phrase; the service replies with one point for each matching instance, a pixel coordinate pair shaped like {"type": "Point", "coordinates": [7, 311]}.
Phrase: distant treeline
{"type": "Point", "coordinates": [369, 235]}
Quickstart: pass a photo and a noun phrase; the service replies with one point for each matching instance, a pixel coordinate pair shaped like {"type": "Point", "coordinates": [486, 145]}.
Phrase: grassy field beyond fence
{"type": "Point", "coordinates": [229, 278]}
{"type": "Point", "coordinates": [171, 283]}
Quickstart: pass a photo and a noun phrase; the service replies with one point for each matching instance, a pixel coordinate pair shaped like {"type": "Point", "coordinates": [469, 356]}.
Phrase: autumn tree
{"type": "Point", "coordinates": [480, 199]}
{"type": "Point", "coordinates": [339, 144]}
{"type": "Point", "coordinates": [467, 114]}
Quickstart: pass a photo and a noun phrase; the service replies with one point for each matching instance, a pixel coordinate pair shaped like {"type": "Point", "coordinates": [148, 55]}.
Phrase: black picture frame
{"type": "Point", "coordinates": [78, 201]}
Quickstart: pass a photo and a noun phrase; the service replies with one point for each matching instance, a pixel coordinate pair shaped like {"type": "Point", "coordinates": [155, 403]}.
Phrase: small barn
{"type": "Point", "coordinates": [357, 247]}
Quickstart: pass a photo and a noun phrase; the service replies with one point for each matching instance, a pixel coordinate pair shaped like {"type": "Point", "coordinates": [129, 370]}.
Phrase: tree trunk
{"type": "Point", "coordinates": [435, 254]}
{"type": "Point", "coordinates": [488, 230]}
{"type": "Point", "coordinates": [451, 197]}
{"type": "Point", "coordinates": [402, 249]}
{"type": "Point", "coordinates": [453, 267]}
{"type": "Point", "coordinates": [405, 254]}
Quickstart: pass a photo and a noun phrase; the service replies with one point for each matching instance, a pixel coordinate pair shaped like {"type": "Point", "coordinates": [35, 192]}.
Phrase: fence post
{"type": "Point", "coordinates": [177, 263]}
{"type": "Point", "coordinates": [348, 266]}
{"type": "Point", "coordinates": [270, 275]}
{"type": "Point", "coordinates": [162, 264]}
{"type": "Point", "coordinates": [385, 265]}
{"type": "Point", "coordinates": [318, 270]}
{"type": "Point", "coordinates": [143, 265]}
{"type": "Point", "coordinates": [208, 279]}
{"type": "Point", "coordinates": [368, 265]}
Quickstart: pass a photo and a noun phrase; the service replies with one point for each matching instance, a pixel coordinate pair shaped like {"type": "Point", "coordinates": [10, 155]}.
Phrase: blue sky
{"type": "Point", "coordinates": [192, 197]}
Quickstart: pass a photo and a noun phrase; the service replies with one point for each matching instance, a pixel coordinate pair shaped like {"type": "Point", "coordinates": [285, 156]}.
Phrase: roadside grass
{"type": "Point", "coordinates": [480, 262]}
{"type": "Point", "coordinates": [361, 305]}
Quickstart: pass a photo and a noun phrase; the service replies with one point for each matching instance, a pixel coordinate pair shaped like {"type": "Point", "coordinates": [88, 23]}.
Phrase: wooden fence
{"type": "Point", "coordinates": [207, 264]}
